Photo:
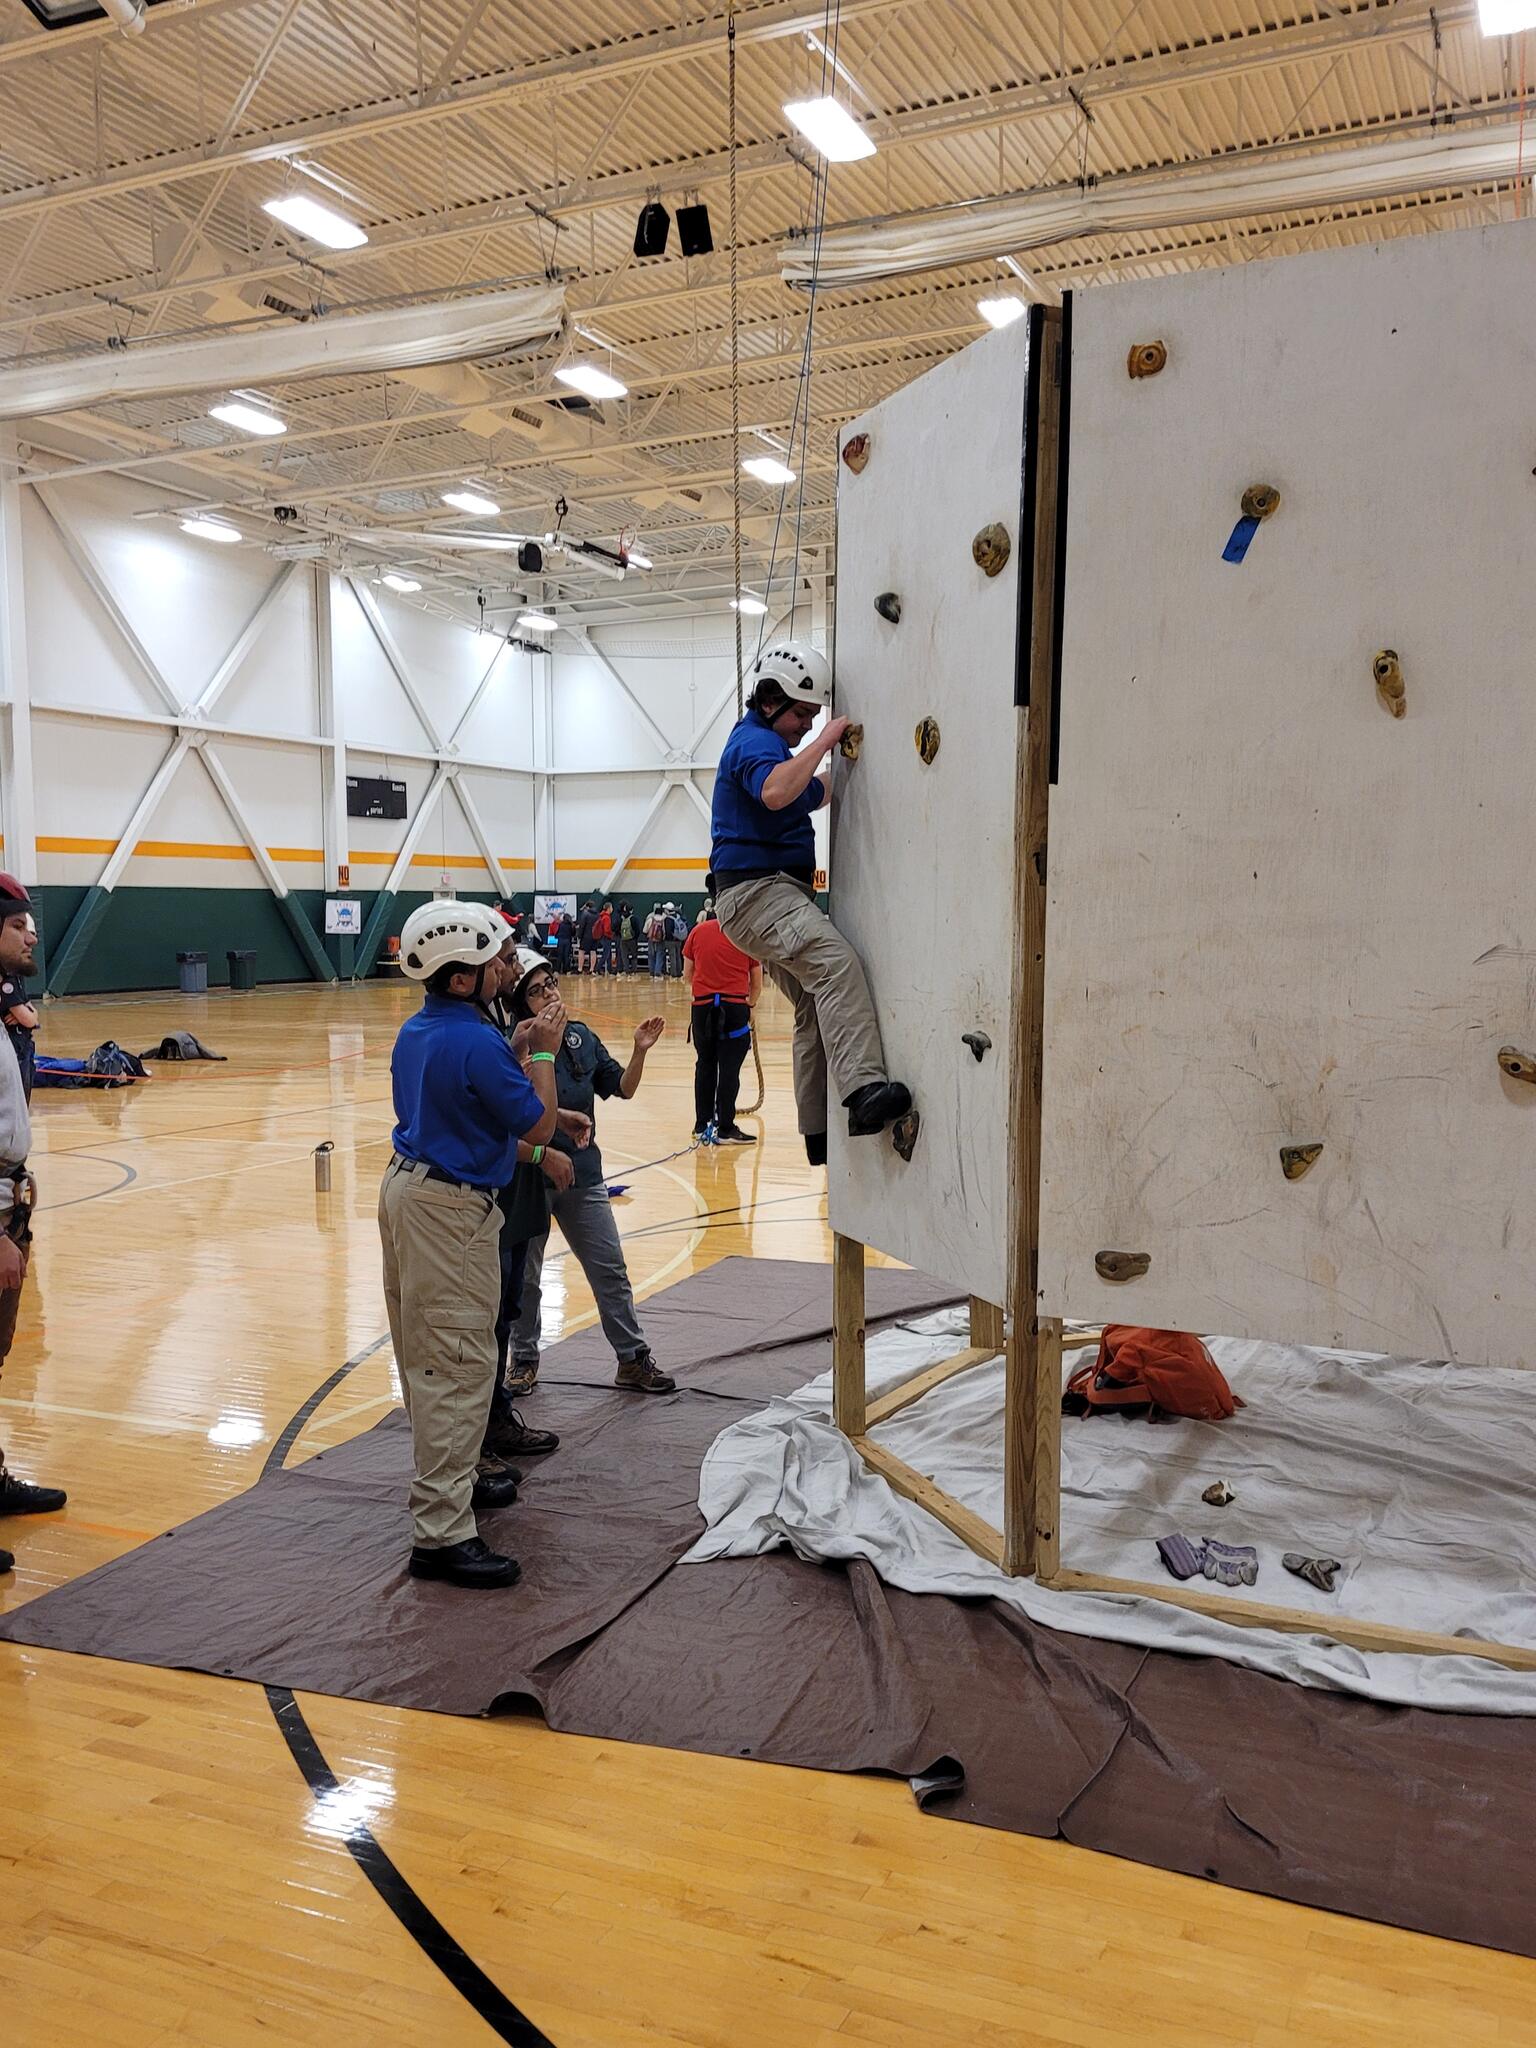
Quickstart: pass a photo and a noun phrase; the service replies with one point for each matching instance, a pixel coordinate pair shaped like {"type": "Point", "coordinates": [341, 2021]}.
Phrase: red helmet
{"type": "Point", "coordinates": [12, 891]}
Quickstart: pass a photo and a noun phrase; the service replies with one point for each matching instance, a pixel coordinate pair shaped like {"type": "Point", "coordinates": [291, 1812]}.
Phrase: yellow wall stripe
{"type": "Point", "coordinates": [197, 849]}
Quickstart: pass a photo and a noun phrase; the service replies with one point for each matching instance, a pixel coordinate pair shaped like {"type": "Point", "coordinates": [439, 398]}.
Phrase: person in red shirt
{"type": "Point", "coordinates": [725, 985]}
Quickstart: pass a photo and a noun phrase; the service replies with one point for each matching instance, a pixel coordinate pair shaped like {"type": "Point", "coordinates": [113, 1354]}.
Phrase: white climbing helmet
{"type": "Point", "coordinates": [801, 673]}
{"type": "Point", "coordinates": [529, 961]}
{"type": "Point", "coordinates": [446, 933]}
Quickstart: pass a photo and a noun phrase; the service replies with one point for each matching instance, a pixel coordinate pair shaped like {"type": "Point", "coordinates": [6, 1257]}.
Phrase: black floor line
{"type": "Point", "coordinates": [492, 2004]}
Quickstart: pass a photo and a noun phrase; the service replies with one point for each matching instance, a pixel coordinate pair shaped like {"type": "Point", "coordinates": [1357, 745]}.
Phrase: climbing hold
{"type": "Point", "coordinates": [1146, 358]}
{"type": "Point", "coordinates": [991, 548]}
{"type": "Point", "coordinates": [1390, 687]}
{"type": "Point", "coordinates": [1295, 1160]}
{"type": "Point", "coordinates": [904, 1133]}
{"type": "Point", "coordinates": [1259, 501]}
{"type": "Point", "coordinates": [1520, 1066]}
{"type": "Point", "coordinates": [856, 452]}
{"type": "Point", "coordinates": [1218, 1494]}
{"type": "Point", "coordinates": [848, 746]}
{"type": "Point", "coordinates": [1121, 1265]}
{"type": "Point", "coordinates": [888, 605]}
{"type": "Point", "coordinates": [926, 739]}
{"type": "Point", "coordinates": [978, 1041]}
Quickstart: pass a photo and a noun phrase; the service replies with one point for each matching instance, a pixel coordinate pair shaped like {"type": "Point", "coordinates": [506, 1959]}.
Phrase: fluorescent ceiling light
{"type": "Point", "coordinates": [831, 128]}
{"type": "Point", "coordinates": [471, 501]}
{"type": "Point", "coordinates": [1505, 17]}
{"type": "Point", "coordinates": [404, 584]}
{"type": "Point", "coordinates": [635, 560]}
{"type": "Point", "coordinates": [1001, 312]}
{"type": "Point", "coordinates": [250, 419]}
{"type": "Point", "coordinates": [321, 223]}
{"type": "Point", "coordinates": [747, 603]}
{"type": "Point", "coordinates": [536, 622]}
{"type": "Point", "coordinates": [210, 529]}
{"type": "Point", "coordinates": [594, 383]}
{"type": "Point", "coordinates": [768, 469]}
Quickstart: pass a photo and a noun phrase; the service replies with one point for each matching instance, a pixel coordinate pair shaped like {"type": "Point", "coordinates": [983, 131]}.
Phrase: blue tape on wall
{"type": "Point", "coordinates": [1242, 534]}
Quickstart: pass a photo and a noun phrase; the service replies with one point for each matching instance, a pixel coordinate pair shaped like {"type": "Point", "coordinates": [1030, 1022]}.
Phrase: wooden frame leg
{"type": "Point", "coordinates": [1032, 1451]}
{"type": "Point", "coordinates": [848, 1335]}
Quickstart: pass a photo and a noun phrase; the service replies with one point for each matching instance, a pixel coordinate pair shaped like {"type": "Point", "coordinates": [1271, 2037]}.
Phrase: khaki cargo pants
{"type": "Point", "coordinates": [777, 922]}
{"type": "Point", "coordinates": [442, 1287]}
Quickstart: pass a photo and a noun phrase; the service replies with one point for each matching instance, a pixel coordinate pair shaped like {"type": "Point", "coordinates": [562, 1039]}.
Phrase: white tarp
{"type": "Point", "coordinates": [397, 338]}
{"type": "Point", "coordinates": [1416, 1474]}
{"type": "Point", "coordinates": [1157, 199]}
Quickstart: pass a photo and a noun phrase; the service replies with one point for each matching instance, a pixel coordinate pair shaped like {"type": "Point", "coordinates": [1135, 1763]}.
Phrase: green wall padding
{"type": "Point", "coordinates": [142, 931]}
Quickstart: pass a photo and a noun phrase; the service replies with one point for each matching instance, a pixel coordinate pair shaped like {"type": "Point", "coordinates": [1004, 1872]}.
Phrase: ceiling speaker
{"type": "Point", "coordinates": [693, 230]}
{"type": "Point", "coordinates": [652, 228]}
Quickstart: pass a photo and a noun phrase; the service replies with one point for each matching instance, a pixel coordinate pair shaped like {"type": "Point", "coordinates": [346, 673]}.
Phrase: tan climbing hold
{"type": "Point", "coordinates": [848, 746]}
{"type": "Point", "coordinates": [1295, 1160]}
{"type": "Point", "coordinates": [991, 548]}
{"type": "Point", "coordinates": [1121, 1265]}
{"type": "Point", "coordinates": [904, 1133]}
{"type": "Point", "coordinates": [856, 452]}
{"type": "Point", "coordinates": [1260, 500]}
{"type": "Point", "coordinates": [1390, 687]}
{"type": "Point", "coordinates": [926, 738]}
{"type": "Point", "coordinates": [1146, 358]}
{"type": "Point", "coordinates": [1520, 1066]}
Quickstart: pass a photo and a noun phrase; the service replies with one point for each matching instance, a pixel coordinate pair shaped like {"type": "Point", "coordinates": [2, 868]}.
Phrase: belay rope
{"type": "Point", "coordinates": [751, 1108]}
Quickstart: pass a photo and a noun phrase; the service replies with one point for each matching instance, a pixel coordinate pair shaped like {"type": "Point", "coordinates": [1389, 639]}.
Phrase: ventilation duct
{"type": "Point", "coordinates": [397, 339]}
{"type": "Point", "coordinates": [1164, 199]}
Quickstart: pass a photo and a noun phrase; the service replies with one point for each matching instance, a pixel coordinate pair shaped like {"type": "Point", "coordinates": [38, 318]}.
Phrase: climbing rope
{"type": "Point", "coordinates": [730, 97]}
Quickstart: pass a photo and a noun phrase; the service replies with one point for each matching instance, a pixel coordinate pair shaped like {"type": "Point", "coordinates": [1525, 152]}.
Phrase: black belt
{"type": "Point", "coordinates": [451, 1180]}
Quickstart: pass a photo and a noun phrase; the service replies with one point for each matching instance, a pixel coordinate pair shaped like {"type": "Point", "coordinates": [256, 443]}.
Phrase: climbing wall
{"type": "Point", "coordinates": [922, 853]}
{"type": "Point", "coordinates": [1281, 916]}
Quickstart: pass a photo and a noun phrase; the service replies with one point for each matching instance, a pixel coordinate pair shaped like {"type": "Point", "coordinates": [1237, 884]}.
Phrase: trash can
{"type": "Point", "coordinates": [242, 970]}
{"type": "Point", "coordinates": [193, 968]}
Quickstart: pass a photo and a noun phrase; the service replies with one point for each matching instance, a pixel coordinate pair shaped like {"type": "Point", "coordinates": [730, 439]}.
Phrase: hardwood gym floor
{"type": "Point", "coordinates": [167, 1876]}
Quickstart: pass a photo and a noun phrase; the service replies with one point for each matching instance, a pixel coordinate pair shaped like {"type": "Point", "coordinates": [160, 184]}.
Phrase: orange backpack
{"type": "Point", "coordinates": [1165, 1372]}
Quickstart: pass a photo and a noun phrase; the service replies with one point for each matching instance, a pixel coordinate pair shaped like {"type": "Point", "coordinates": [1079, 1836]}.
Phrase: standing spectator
{"type": "Point", "coordinates": [462, 1102]}
{"type": "Point", "coordinates": [725, 986]}
{"type": "Point", "coordinates": [628, 932]}
{"type": "Point", "coordinates": [676, 932]}
{"type": "Point", "coordinates": [585, 924]}
{"type": "Point", "coordinates": [655, 941]}
{"type": "Point", "coordinates": [602, 941]}
{"type": "Point", "coordinates": [578, 1193]}
{"type": "Point", "coordinates": [18, 1190]}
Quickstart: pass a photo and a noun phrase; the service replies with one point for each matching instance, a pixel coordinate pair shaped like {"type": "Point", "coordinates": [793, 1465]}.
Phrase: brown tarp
{"type": "Point", "coordinates": [1390, 1813]}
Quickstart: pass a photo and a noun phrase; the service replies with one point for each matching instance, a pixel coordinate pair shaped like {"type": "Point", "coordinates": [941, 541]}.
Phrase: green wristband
{"type": "Point", "coordinates": [538, 1154]}
{"type": "Point", "coordinates": [541, 1056]}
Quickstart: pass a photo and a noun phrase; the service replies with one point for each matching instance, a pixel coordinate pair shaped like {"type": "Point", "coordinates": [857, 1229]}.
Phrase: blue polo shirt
{"type": "Point", "coordinates": [461, 1099]}
{"type": "Point", "coordinates": [748, 838]}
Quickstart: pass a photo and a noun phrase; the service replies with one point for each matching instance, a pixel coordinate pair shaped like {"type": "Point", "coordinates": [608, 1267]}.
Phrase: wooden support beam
{"type": "Point", "coordinates": [892, 1402]}
{"type": "Point", "coordinates": [848, 1335]}
{"type": "Point", "coordinates": [1026, 1431]}
{"type": "Point", "coordinates": [1338, 1628]}
{"type": "Point", "coordinates": [976, 1533]}
{"type": "Point", "coordinates": [986, 1324]}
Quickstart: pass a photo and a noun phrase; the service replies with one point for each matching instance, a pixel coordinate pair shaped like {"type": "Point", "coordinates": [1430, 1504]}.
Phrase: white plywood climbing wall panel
{"type": "Point", "coordinates": [922, 855]}
{"type": "Point", "coordinates": [1279, 916]}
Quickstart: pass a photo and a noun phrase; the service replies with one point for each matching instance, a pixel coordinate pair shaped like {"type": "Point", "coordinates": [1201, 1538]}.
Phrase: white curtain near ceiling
{"type": "Point", "coordinates": [1162, 199]}
{"type": "Point", "coordinates": [398, 338]}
